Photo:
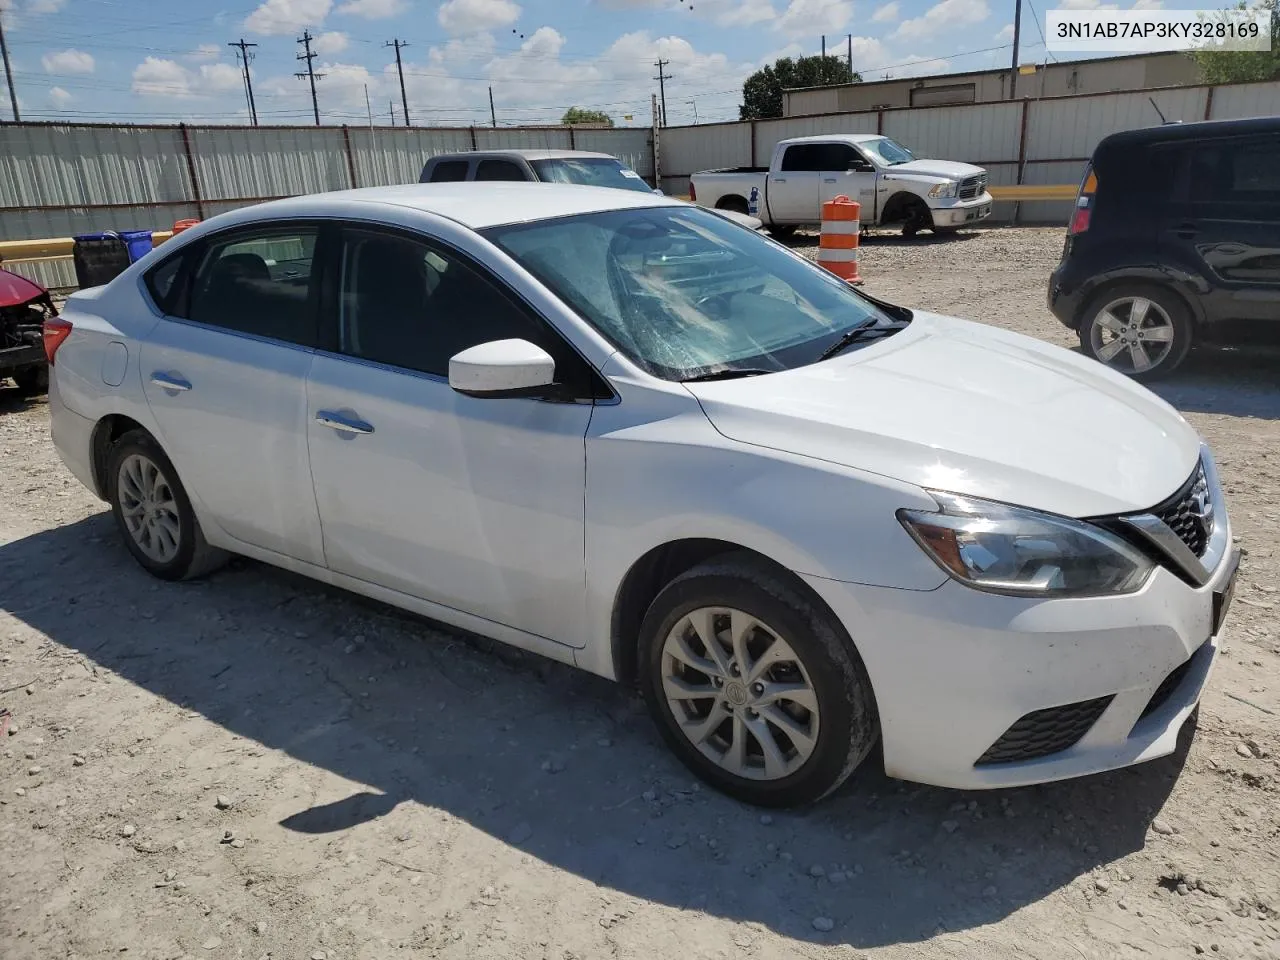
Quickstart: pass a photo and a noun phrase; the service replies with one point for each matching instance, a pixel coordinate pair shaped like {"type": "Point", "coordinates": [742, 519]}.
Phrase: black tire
{"type": "Point", "coordinates": [1173, 307]}
{"type": "Point", "coordinates": [32, 381]}
{"type": "Point", "coordinates": [918, 218]}
{"type": "Point", "coordinates": [736, 204]}
{"type": "Point", "coordinates": [848, 726]}
{"type": "Point", "coordinates": [783, 233]}
{"type": "Point", "coordinates": [193, 557]}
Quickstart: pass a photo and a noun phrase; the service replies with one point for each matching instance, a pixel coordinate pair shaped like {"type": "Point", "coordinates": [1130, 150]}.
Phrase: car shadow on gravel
{"type": "Point", "coordinates": [12, 401]}
{"type": "Point", "coordinates": [1235, 381]}
{"type": "Point", "coordinates": [561, 764]}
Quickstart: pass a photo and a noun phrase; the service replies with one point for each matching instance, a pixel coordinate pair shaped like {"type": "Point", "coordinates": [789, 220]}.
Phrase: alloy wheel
{"type": "Point", "coordinates": [1132, 334]}
{"type": "Point", "coordinates": [740, 693]}
{"type": "Point", "coordinates": [149, 508]}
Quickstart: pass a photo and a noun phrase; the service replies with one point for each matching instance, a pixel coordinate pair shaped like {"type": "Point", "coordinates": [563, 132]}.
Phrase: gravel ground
{"type": "Point", "coordinates": [255, 766]}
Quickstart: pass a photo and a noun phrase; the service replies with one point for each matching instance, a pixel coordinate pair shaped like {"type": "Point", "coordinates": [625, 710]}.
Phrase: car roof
{"type": "Point", "coordinates": [474, 204]}
{"type": "Point", "coordinates": [828, 137]}
{"type": "Point", "coordinates": [528, 154]}
{"type": "Point", "coordinates": [1172, 132]}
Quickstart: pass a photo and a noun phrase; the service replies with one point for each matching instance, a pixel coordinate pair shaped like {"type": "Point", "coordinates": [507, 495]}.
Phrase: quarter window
{"type": "Point", "coordinates": [498, 170]}
{"type": "Point", "coordinates": [449, 171]}
{"type": "Point", "coordinates": [259, 283]}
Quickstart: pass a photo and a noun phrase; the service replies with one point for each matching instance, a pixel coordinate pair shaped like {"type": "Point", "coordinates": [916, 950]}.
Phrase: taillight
{"type": "Point", "coordinates": [693, 194]}
{"type": "Point", "coordinates": [56, 330]}
{"type": "Point", "coordinates": [1084, 203]}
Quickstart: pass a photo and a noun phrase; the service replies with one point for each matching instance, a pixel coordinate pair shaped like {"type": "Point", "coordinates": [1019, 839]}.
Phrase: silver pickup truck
{"type": "Point", "coordinates": [892, 185]}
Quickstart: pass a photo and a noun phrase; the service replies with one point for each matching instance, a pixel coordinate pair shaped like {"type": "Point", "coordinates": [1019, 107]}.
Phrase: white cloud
{"type": "Point", "coordinates": [157, 77]}
{"type": "Point", "coordinates": [1005, 35]}
{"type": "Point", "coordinates": [868, 54]}
{"type": "Point", "coordinates": [886, 14]}
{"type": "Point", "coordinates": [806, 18]}
{"type": "Point", "coordinates": [1147, 5]}
{"type": "Point", "coordinates": [471, 16]}
{"type": "Point", "coordinates": [206, 53]}
{"type": "Point", "coordinates": [374, 9]}
{"type": "Point", "coordinates": [41, 7]}
{"type": "Point", "coordinates": [327, 44]}
{"type": "Point", "coordinates": [287, 16]}
{"type": "Point", "coordinates": [67, 61]}
{"type": "Point", "coordinates": [942, 17]}
{"type": "Point", "coordinates": [726, 13]}
{"type": "Point", "coordinates": [59, 97]}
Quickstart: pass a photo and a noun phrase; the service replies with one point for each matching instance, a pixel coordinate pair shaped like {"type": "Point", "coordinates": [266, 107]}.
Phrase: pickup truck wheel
{"type": "Point", "coordinates": [918, 218]}
{"type": "Point", "coordinates": [782, 233]}
{"type": "Point", "coordinates": [736, 204]}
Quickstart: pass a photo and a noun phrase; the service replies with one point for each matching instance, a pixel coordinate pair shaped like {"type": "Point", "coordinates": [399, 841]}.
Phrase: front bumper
{"type": "Point", "coordinates": [956, 213]}
{"type": "Point", "coordinates": [953, 669]}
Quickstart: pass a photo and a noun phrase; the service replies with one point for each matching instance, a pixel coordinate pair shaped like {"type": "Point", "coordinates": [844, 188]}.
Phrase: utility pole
{"type": "Point", "coordinates": [850, 56]}
{"type": "Point", "coordinates": [246, 58]}
{"type": "Point", "coordinates": [1017, 29]}
{"type": "Point", "coordinates": [493, 117]}
{"type": "Point", "coordinates": [8, 72]}
{"type": "Point", "coordinates": [662, 88]}
{"type": "Point", "coordinates": [824, 46]}
{"type": "Point", "coordinates": [310, 74]}
{"type": "Point", "coordinates": [404, 100]}
{"type": "Point", "coordinates": [369, 109]}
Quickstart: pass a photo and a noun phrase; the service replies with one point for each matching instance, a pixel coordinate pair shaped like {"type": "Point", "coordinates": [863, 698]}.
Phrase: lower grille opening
{"type": "Point", "coordinates": [1044, 732]}
{"type": "Point", "coordinates": [1166, 688]}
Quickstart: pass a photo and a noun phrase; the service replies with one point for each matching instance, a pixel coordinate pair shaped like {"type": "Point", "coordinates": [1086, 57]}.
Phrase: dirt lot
{"type": "Point", "coordinates": [254, 766]}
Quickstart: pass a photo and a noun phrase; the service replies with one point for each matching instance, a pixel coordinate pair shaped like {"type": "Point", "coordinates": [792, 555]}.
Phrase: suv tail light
{"type": "Point", "coordinates": [56, 330]}
{"type": "Point", "coordinates": [693, 194]}
{"type": "Point", "coordinates": [1084, 203]}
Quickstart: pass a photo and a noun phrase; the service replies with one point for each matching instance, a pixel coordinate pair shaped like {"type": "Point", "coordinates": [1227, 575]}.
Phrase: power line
{"type": "Point", "coordinates": [662, 89]}
{"type": "Point", "coordinates": [310, 74]}
{"type": "Point", "coordinates": [404, 100]}
{"type": "Point", "coordinates": [246, 58]}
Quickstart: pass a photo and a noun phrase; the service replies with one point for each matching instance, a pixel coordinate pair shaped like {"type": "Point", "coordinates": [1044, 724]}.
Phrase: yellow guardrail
{"type": "Point", "coordinates": [56, 247]}
{"type": "Point", "coordinates": [1029, 192]}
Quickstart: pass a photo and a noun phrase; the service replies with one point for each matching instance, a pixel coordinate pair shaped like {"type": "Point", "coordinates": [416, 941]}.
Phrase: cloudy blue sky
{"type": "Point", "coordinates": [147, 60]}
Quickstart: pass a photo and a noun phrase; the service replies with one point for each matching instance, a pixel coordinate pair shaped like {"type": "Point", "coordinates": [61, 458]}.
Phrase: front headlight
{"type": "Point", "coordinates": [943, 191]}
{"type": "Point", "coordinates": [1011, 550]}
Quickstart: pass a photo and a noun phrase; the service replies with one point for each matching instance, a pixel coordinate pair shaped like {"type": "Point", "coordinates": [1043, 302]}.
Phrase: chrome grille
{"type": "Point", "coordinates": [1189, 512]}
{"type": "Point", "coordinates": [972, 187]}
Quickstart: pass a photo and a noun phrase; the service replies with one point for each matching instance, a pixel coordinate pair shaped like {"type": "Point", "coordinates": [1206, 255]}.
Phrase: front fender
{"type": "Point", "coordinates": [1189, 284]}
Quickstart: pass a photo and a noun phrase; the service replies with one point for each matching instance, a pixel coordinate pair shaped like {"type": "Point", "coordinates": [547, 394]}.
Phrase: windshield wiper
{"type": "Point", "coordinates": [730, 373]}
{"type": "Point", "coordinates": [856, 335]}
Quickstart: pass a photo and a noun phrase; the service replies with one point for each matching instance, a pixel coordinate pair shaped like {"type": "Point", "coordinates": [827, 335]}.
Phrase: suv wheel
{"type": "Point", "coordinates": [153, 511]}
{"type": "Point", "coordinates": [1139, 329]}
{"type": "Point", "coordinates": [758, 692]}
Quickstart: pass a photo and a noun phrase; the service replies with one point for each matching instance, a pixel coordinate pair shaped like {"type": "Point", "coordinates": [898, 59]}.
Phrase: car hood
{"type": "Point", "coordinates": [936, 168]}
{"type": "Point", "coordinates": [964, 407]}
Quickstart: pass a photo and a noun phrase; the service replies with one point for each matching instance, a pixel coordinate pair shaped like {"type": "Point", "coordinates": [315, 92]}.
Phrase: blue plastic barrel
{"type": "Point", "coordinates": [138, 242]}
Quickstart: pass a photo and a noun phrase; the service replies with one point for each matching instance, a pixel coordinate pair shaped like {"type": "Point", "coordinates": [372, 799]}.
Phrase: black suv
{"type": "Point", "coordinates": [1175, 240]}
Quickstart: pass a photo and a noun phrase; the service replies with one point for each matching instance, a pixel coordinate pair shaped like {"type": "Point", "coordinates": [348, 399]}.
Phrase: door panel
{"type": "Point", "coordinates": [226, 383]}
{"type": "Point", "coordinates": [838, 179]}
{"type": "Point", "coordinates": [794, 187]}
{"type": "Point", "coordinates": [475, 504]}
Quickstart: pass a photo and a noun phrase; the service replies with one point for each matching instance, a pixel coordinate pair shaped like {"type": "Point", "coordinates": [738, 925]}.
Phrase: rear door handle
{"type": "Point", "coordinates": [1186, 230]}
{"type": "Point", "coordinates": [168, 381]}
{"type": "Point", "coordinates": [829, 180]}
{"type": "Point", "coordinates": [341, 423]}
{"type": "Point", "coordinates": [779, 179]}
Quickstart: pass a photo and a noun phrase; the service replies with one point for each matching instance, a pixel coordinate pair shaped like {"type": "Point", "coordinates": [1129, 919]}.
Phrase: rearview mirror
{"type": "Point", "coordinates": [502, 368]}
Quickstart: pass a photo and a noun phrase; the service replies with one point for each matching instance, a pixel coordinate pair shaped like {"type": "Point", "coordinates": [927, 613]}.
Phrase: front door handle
{"type": "Point", "coordinates": [829, 180]}
{"type": "Point", "coordinates": [342, 423]}
{"type": "Point", "coordinates": [168, 381]}
{"type": "Point", "coordinates": [779, 179]}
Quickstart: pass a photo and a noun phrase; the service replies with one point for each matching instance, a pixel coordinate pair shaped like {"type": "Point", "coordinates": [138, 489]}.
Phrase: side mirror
{"type": "Point", "coordinates": [502, 368]}
{"type": "Point", "coordinates": [860, 166]}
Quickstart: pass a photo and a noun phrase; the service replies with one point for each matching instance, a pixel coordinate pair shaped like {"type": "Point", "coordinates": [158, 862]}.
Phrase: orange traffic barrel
{"type": "Point", "coordinates": [838, 246]}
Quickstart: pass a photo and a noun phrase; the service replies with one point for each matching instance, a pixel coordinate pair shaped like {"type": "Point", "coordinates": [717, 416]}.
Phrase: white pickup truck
{"type": "Point", "coordinates": [881, 174]}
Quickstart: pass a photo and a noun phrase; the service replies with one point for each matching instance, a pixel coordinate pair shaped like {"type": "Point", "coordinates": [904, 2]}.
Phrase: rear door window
{"type": "Point", "coordinates": [449, 171]}
{"type": "Point", "coordinates": [499, 170]}
{"type": "Point", "coordinates": [803, 157]}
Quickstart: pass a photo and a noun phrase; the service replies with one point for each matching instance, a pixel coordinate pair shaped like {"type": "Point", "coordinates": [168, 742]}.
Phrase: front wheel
{"type": "Point", "coordinates": [756, 690]}
{"type": "Point", "coordinates": [1137, 329]}
{"type": "Point", "coordinates": [153, 512]}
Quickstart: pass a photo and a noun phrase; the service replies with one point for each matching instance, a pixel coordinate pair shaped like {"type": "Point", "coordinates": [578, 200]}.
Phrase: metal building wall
{"type": "Point", "coordinates": [1245, 100]}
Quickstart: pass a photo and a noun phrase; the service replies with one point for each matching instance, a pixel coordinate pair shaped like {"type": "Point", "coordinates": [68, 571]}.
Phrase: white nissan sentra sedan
{"type": "Point", "coordinates": [630, 435]}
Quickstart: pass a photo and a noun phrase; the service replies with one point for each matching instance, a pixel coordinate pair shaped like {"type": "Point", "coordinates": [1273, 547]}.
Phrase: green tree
{"type": "Point", "coordinates": [762, 91]}
{"type": "Point", "coordinates": [1243, 66]}
{"type": "Point", "coordinates": [576, 115]}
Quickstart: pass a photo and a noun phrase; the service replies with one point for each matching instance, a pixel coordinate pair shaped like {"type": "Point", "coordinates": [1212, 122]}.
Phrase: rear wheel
{"type": "Point", "coordinates": [153, 511]}
{"type": "Point", "coordinates": [1137, 329]}
{"type": "Point", "coordinates": [736, 204]}
{"type": "Point", "coordinates": [32, 381]}
{"type": "Point", "coordinates": [756, 690]}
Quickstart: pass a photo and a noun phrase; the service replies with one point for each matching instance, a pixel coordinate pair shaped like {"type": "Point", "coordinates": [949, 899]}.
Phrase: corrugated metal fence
{"type": "Point", "coordinates": [59, 180]}
{"type": "Point", "coordinates": [1020, 142]}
